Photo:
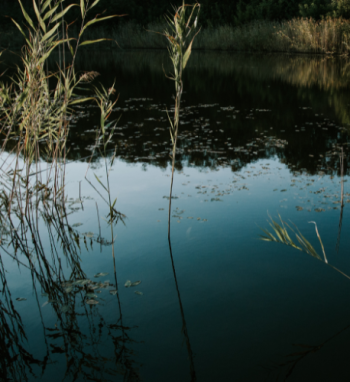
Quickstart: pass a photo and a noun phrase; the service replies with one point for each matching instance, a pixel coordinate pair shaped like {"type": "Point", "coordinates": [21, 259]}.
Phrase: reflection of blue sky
{"type": "Point", "coordinates": [241, 296]}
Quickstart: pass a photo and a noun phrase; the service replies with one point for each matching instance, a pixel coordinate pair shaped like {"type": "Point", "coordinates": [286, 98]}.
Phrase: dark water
{"type": "Point", "coordinates": [259, 135]}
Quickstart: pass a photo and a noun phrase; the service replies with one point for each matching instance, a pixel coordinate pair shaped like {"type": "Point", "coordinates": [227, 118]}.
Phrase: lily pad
{"type": "Point", "coordinates": [65, 308]}
{"type": "Point", "coordinates": [101, 274]}
{"type": "Point", "coordinates": [91, 295]}
{"type": "Point", "coordinates": [319, 209]}
{"type": "Point", "coordinates": [91, 302]}
{"type": "Point", "coordinates": [81, 282]}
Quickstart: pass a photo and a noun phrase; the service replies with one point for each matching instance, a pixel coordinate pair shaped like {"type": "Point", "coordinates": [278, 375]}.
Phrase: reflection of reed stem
{"type": "Point", "coordinates": [184, 325]}
{"type": "Point", "coordinates": [181, 30]}
{"type": "Point", "coordinates": [341, 160]}
{"type": "Point", "coordinates": [99, 227]}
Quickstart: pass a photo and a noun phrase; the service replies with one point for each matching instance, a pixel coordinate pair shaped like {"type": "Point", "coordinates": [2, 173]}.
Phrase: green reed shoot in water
{"type": "Point", "coordinates": [180, 37]}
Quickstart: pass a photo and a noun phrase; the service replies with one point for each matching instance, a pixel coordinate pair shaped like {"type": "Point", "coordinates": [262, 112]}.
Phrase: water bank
{"type": "Point", "coordinates": [299, 35]}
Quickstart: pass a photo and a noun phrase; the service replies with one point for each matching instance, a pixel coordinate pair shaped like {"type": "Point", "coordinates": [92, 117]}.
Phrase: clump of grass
{"type": "Point", "coordinates": [280, 234]}
{"type": "Point", "coordinates": [31, 111]}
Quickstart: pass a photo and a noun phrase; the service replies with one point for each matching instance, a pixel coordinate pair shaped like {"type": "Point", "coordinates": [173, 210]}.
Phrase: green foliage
{"type": "Point", "coordinates": [341, 8]}
{"type": "Point", "coordinates": [213, 13]}
{"type": "Point", "coordinates": [252, 10]}
{"type": "Point", "coordinates": [316, 8]}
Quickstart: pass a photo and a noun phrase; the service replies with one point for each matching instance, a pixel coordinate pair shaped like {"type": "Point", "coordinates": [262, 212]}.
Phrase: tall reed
{"type": "Point", "coordinates": [180, 36]}
{"type": "Point", "coordinates": [31, 111]}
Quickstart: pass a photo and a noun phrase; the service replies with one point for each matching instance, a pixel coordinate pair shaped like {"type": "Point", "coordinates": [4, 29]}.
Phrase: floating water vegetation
{"type": "Point", "coordinates": [129, 284]}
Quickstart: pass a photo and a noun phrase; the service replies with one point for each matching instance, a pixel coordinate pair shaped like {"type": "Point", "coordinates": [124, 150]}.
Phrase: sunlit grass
{"type": "Point", "coordinates": [328, 36]}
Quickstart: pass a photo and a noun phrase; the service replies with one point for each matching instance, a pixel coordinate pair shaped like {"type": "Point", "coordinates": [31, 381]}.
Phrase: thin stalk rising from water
{"type": "Point", "coordinates": [180, 37]}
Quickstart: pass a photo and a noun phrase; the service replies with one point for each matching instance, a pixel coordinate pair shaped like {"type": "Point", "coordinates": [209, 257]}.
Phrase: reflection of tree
{"type": "Point", "coordinates": [15, 360]}
{"type": "Point", "coordinates": [294, 81]}
{"type": "Point", "coordinates": [29, 213]}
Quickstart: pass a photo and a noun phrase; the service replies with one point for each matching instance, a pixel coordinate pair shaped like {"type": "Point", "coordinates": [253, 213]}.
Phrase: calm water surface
{"type": "Point", "coordinates": [259, 135]}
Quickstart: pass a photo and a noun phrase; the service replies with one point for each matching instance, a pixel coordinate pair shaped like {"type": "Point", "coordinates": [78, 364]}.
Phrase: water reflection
{"type": "Point", "coordinates": [37, 235]}
{"type": "Point", "coordinates": [249, 107]}
{"type": "Point", "coordinates": [184, 330]}
{"type": "Point", "coordinates": [284, 370]}
{"type": "Point", "coordinates": [282, 233]}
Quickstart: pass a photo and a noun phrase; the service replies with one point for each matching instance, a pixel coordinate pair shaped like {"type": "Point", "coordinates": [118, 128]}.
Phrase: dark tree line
{"type": "Point", "coordinates": [213, 12]}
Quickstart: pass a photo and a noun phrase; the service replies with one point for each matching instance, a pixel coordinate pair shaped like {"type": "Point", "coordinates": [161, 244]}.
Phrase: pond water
{"type": "Point", "coordinates": [260, 135]}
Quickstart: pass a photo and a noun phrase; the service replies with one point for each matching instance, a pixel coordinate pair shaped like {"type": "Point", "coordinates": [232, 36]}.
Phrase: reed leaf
{"type": "Point", "coordinates": [26, 16]}
{"type": "Point", "coordinates": [50, 12]}
{"type": "Point", "coordinates": [46, 4]}
{"type": "Point", "coordinates": [96, 20]}
{"type": "Point", "coordinates": [41, 21]}
{"type": "Point", "coordinates": [88, 42]}
{"type": "Point", "coordinates": [62, 13]}
{"type": "Point", "coordinates": [305, 246]}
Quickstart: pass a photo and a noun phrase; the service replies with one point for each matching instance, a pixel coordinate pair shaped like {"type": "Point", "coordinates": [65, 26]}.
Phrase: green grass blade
{"type": "Point", "coordinates": [96, 20]}
{"type": "Point", "coordinates": [61, 14]}
{"type": "Point", "coordinates": [100, 182]}
{"type": "Point", "coordinates": [88, 42]}
{"type": "Point", "coordinates": [49, 13]}
{"type": "Point", "coordinates": [50, 32]}
{"type": "Point", "coordinates": [82, 7]}
{"type": "Point", "coordinates": [38, 16]}
{"type": "Point", "coordinates": [26, 16]}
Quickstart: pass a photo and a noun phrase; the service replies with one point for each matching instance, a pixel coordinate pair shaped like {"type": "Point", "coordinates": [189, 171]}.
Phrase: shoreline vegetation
{"type": "Point", "coordinates": [299, 35]}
